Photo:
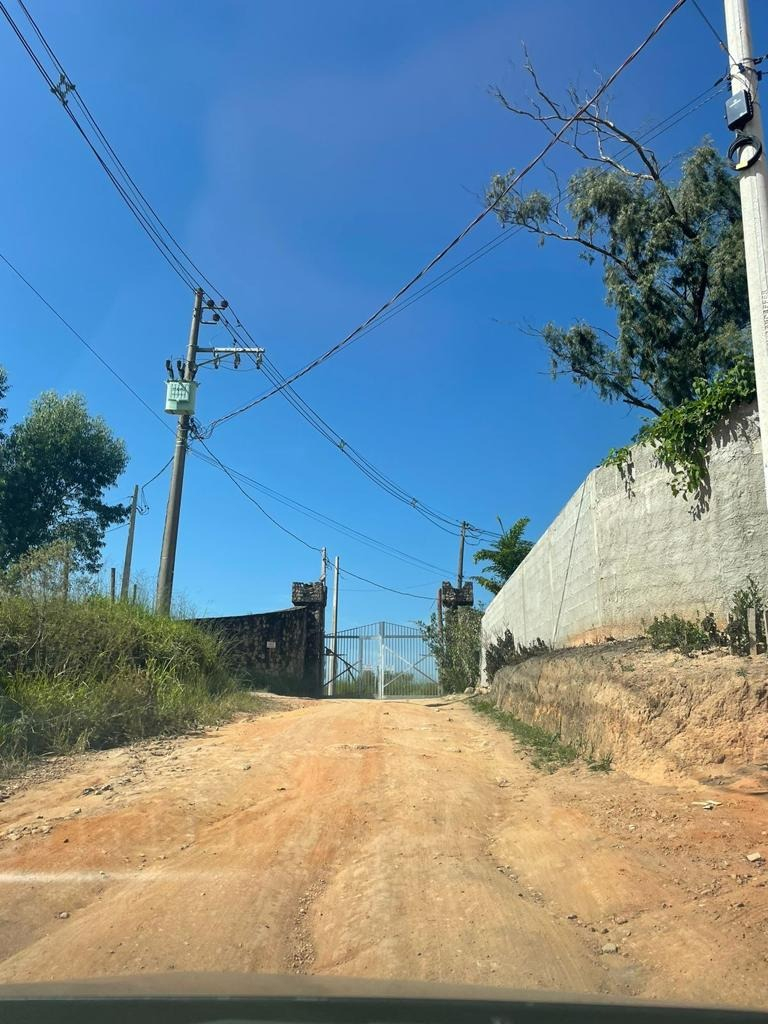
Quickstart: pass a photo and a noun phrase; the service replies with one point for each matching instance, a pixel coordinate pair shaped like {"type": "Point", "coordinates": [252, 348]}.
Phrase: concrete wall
{"type": "Point", "coordinates": [624, 550]}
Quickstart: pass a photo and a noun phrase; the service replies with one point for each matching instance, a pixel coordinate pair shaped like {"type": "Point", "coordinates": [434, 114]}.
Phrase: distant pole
{"type": "Point", "coordinates": [112, 582]}
{"type": "Point", "coordinates": [135, 592]}
{"type": "Point", "coordinates": [754, 204]}
{"type": "Point", "coordinates": [66, 567]}
{"type": "Point", "coordinates": [125, 579]}
{"type": "Point", "coordinates": [440, 624]}
{"type": "Point", "coordinates": [460, 573]}
{"type": "Point", "coordinates": [323, 560]}
{"type": "Point", "coordinates": [171, 530]}
{"type": "Point", "coordinates": [335, 625]}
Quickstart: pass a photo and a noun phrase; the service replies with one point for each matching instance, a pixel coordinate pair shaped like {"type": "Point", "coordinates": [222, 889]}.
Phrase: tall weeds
{"type": "Point", "coordinates": [87, 673]}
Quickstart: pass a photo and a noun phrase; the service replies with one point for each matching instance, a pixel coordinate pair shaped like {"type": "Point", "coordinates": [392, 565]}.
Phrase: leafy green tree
{"type": "Point", "coordinates": [55, 466]}
{"type": "Point", "coordinates": [671, 253]}
{"type": "Point", "coordinates": [504, 555]}
{"type": "Point", "coordinates": [457, 650]}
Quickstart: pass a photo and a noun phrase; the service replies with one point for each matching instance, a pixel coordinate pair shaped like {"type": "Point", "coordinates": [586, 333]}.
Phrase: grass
{"type": "Point", "coordinates": [547, 748]}
{"type": "Point", "coordinates": [77, 675]}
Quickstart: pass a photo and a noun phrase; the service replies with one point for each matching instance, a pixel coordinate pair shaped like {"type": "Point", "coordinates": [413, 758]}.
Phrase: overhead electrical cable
{"type": "Point", "coordinates": [95, 352]}
{"type": "Point", "coordinates": [381, 545]}
{"type": "Point", "coordinates": [478, 218]}
{"type": "Point", "coordinates": [320, 517]}
{"type": "Point", "coordinates": [147, 217]}
{"type": "Point", "coordinates": [301, 540]}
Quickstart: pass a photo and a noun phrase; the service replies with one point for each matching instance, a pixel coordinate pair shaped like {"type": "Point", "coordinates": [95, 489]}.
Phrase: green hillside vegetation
{"type": "Point", "coordinates": [83, 672]}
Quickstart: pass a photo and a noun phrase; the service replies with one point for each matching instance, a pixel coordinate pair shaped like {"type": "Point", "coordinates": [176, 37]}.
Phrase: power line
{"type": "Point", "coordinates": [353, 335]}
{"type": "Point", "coordinates": [279, 525]}
{"type": "Point", "coordinates": [135, 199]}
{"type": "Point", "coordinates": [231, 473]}
{"type": "Point", "coordinates": [512, 183]}
{"type": "Point", "coordinates": [316, 421]}
{"type": "Point", "coordinates": [149, 214]}
{"type": "Point", "coordinates": [63, 90]}
{"type": "Point", "coordinates": [320, 517]}
{"type": "Point", "coordinates": [380, 586]}
{"type": "Point", "coordinates": [143, 509]}
{"type": "Point", "coordinates": [82, 341]}
{"type": "Point", "coordinates": [649, 134]}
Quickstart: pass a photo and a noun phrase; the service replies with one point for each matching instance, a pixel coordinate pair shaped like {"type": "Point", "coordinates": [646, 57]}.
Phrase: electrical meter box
{"type": "Point", "coordinates": [738, 110]}
{"type": "Point", "coordinates": [180, 397]}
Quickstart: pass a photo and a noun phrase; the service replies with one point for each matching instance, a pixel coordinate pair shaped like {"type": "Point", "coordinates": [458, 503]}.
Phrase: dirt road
{"type": "Point", "coordinates": [386, 840]}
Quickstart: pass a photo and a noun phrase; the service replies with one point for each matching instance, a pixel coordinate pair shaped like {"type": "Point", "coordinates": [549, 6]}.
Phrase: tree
{"type": "Point", "coordinates": [504, 555]}
{"type": "Point", "coordinates": [672, 258]}
{"type": "Point", "coordinates": [457, 649]}
{"type": "Point", "coordinates": [54, 468]}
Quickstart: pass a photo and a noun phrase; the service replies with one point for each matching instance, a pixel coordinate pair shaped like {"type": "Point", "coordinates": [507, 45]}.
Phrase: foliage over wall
{"type": "Point", "coordinates": [681, 436]}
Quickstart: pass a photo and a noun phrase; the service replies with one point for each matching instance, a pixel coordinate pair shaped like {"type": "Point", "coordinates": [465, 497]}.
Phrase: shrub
{"type": "Point", "coordinates": [737, 631]}
{"type": "Point", "coordinates": [456, 648]}
{"type": "Point", "coordinates": [671, 632]}
{"type": "Point", "coordinates": [506, 651]}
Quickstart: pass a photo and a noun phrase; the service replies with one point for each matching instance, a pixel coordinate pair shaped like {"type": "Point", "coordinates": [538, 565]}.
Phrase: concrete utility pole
{"type": "Point", "coordinates": [335, 625]}
{"type": "Point", "coordinates": [125, 579]}
{"type": "Point", "coordinates": [460, 573]}
{"type": "Point", "coordinates": [754, 204]}
{"type": "Point", "coordinates": [171, 530]}
{"type": "Point", "coordinates": [183, 406]}
{"type": "Point", "coordinates": [323, 560]}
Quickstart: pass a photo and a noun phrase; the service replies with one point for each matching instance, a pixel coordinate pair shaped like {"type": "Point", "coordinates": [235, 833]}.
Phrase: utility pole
{"type": "Point", "coordinates": [460, 573]}
{"type": "Point", "coordinates": [335, 625]}
{"type": "Point", "coordinates": [182, 405]}
{"type": "Point", "coordinates": [754, 201]}
{"type": "Point", "coordinates": [171, 529]}
{"type": "Point", "coordinates": [440, 624]}
{"type": "Point", "coordinates": [125, 579]}
{"type": "Point", "coordinates": [66, 568]}
{"type": "Point", "coordinates": [323, 560]}
{"type": "Point", "coordinates": [112, 581]}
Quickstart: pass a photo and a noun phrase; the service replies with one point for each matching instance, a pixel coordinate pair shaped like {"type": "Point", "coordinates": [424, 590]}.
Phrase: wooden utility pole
{"type": "Point", "coordinates": [112, 582]}
{"type": "Point", "coordinates": [66, 569]}
{"type": "Point", "coordinates": [753, 186]}
{"type": "Point", "coordinates": [125, 579]}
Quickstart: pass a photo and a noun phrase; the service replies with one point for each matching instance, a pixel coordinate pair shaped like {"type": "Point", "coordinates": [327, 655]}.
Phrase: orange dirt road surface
{"type": "Point", "coordinates": [382, 840]}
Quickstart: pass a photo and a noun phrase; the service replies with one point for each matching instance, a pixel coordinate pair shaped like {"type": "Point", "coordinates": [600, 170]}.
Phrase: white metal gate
{"type": "Point", "coordinates": [378, 661]}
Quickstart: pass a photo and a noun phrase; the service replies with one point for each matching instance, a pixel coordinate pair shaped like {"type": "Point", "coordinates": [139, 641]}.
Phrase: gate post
{"type": "Point", "coordinates": [382, 627]}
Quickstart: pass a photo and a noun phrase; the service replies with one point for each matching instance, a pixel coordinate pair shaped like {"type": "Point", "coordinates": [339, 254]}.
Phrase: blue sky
{"type": "Point", "coordinates": [311, 157]}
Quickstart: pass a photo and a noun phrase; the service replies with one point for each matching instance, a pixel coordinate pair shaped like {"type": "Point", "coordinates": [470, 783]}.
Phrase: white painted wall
{"type": "Point", "coordinates": [613, 558]}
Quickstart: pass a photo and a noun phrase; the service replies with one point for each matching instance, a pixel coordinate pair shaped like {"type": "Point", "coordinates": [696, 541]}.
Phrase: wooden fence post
{"type": "Point", "coordinates": [752, 630]}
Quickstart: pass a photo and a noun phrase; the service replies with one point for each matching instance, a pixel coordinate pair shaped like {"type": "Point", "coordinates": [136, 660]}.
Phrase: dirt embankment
{"type": "Point", "coordinates": [654, 712]}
